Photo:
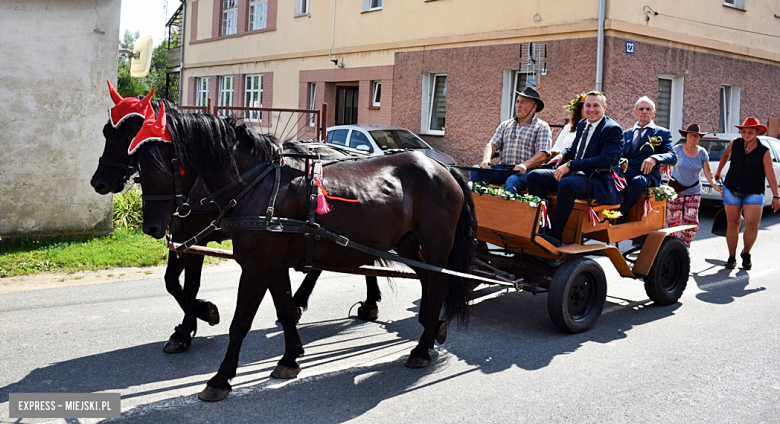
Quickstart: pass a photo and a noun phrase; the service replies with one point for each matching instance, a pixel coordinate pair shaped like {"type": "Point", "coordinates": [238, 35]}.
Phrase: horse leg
{"type": "Point", "coordinates": [368, 309]}
{"type": "Point", "coordinates": [301, 298]}
{"type": "Point", "coordinates": [250, 294]}
{"type": "Point", "coordinates": [182, 336]}
{"type": "Point", "coordinates": [281, 291]}
{"type": "Point", "coordinates": [193, 308]}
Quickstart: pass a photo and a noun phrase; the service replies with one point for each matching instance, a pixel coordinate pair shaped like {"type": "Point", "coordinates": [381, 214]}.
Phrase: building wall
{"type": "Point", "coordinates": [53, 86]}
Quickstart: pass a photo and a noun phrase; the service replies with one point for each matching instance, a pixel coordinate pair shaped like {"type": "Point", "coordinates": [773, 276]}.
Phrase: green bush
{"type": "Point", "coordinates": [128, 209]}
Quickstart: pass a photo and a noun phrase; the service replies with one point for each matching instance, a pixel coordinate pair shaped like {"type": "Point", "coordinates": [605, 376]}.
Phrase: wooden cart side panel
{"type": "Point", "coordinates": [505, 216]}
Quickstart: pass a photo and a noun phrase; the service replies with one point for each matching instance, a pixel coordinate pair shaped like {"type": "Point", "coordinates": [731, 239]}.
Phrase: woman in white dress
{"type": "Point", "coordinates": [569, 131]}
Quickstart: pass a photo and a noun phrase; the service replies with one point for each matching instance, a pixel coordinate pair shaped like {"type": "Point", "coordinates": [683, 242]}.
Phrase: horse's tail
{"type": "Point", "coordinates": [456, 303]}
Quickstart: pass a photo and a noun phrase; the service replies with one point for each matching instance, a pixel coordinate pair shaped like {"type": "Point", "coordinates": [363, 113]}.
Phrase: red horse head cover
{"type": "Point", "coordinates": [125, 107]}
{"type": "Point", "coordinates": [152, 130]}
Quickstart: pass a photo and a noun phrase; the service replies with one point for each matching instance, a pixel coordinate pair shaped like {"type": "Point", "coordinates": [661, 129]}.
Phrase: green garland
{"type": "Point", "coordinates": [480, 188]}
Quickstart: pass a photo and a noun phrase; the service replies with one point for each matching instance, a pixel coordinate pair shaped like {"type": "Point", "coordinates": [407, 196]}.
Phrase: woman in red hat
{"type": "Point", "coordinates": [743, 188]}
{"type": "Point", "coordinates": [691, 160]}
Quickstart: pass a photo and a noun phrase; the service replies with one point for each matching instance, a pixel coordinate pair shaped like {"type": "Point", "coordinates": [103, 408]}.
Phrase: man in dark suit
{"type": "Point", "coordinates": [646, 146]}
{"type": "Point", "coordinates": [596, 150]}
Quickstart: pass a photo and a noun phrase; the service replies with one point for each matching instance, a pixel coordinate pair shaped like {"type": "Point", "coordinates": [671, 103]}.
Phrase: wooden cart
{"type": "Point", "coordinates": [575, 283]}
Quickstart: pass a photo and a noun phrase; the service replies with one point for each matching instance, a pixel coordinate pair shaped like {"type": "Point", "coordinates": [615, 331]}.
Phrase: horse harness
{"type": "Point", "coordinates": [270, 223]}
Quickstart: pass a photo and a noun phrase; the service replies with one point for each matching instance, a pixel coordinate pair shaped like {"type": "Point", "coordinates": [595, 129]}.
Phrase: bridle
{"type": "Point", "coordinates": [129, 169]}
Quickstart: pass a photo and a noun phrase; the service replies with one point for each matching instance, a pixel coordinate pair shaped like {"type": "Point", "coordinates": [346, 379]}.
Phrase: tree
{"type": "Point", "coordinates": [127, 86]}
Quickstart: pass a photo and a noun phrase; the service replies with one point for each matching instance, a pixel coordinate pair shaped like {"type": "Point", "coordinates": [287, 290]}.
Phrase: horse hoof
{"type": "Point", "coordinates": [208, 312]}
{"type": "Point", "coordinates": [415, 362]}
{"type": "Point", "coordinates": [172, 346]}
{"type": "Point", "coordinates": [441, 333]}
{"type": "Point", "coordinates": [368, 312]}
{"type": "Point", "coordinates": [285, 373]}
{"type": "Point", "coordinates": [210, 394]}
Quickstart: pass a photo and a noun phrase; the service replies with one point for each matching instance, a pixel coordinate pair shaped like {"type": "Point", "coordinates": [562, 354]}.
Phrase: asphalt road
{"type": "Point", "coordinates": [713, 357]}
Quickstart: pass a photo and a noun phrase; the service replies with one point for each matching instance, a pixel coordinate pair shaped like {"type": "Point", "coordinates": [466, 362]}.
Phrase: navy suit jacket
{"type": "Point", "coordinates": [663, 153]}
{"type": "Point", "coordinates": [602, 153]}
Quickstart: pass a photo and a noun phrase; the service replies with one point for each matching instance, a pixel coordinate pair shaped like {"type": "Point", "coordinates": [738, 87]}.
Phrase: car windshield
{"type": "Point", "coordinates": [713, 146]}
{"type": "Point", "coordinates": [397, 139]}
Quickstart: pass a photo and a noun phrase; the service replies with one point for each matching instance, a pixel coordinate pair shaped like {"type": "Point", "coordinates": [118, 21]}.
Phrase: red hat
{"type": "Point", "coordinates": [152, 130]}
{"type": "Point", "coordinates": [125, 107]}
{"type": "Point", "coordinates": [753, 123]}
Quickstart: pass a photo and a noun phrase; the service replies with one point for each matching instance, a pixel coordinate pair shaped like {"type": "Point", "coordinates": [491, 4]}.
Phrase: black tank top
{"type": "Point", "coordinates": [746, 172]}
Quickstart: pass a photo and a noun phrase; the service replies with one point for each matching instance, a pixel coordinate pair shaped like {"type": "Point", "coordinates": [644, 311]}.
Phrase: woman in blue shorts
{"type": "Point", "coordinates": [743, 188]}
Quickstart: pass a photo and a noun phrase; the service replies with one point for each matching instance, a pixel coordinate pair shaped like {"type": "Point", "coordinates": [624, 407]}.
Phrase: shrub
{"type": "Point", "coordinates": [128, 209]}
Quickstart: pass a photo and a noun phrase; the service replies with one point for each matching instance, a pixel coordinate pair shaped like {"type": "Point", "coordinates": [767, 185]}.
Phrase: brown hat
{"type": "Point", "coordinates": [692, 128]}
{"type": "Point", "coordinates": [532, 94]}
{"type": "Point", "coordinates": [753, 123]}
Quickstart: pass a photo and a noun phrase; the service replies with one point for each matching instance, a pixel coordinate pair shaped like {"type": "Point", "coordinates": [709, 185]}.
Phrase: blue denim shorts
{"type": "Point", "coordinates": [750, 199]}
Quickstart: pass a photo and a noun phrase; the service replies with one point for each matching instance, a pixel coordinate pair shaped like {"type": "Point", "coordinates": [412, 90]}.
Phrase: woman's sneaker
{"type": "Point", "coordinates": [731, 263]}
{"type": "Point", "coordinates": [746, 263]}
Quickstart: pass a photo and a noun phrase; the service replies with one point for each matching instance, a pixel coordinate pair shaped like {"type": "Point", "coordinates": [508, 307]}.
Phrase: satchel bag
{"type": "Point", "coordinates": [679, 188]}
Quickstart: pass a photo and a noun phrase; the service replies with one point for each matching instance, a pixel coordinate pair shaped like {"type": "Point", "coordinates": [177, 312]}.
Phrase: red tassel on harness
{"type": "Point", "coordinates": [322, 205]}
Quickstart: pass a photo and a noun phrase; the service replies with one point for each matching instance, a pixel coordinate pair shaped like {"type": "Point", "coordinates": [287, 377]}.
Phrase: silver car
{"type": "Point", "coordinates": [715, 145]}
{"type": "Point", "coordinates": [375, 140]}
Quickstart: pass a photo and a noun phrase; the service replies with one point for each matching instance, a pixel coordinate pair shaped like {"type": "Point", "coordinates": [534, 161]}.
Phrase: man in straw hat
{"type": "Point", "coordinates": [743, 188]}
{"type": "Point", "coordinates": [523, 143]}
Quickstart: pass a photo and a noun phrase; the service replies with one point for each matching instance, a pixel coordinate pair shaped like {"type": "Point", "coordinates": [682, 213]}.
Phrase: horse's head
{"type": "Point", "coordinates": [163, 181]}
{"type": "Point", "coordinates": [125, 120]}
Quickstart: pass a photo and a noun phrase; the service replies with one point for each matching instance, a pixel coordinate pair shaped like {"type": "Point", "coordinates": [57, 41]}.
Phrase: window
{"type": "Point", "coordinates": [253, 96]}
{"type": "Point", "coordinates": [669, 103]}
{"type": "Point", "coordinates": [258, 14]}
{"type": "Point", "coordinates": [369, 5]}
{"type": "Point", "coordinates": [225, 94]}
{"type": "Point", "coordinates": [312, 103]}
{"type": "Point", "coordinates": [338, 137]}
{"type": "Point", "coordinates": [737, 4]}
{"type": "Point", "coordinates": [434, 104]}
{"type": "Point", "coordinates": [357, 138]}
{"type": "Point", "coordinates": [229, 16]}
{"type": "Point", "coordinates": [729, 108]}
{"type": "Point", "coordinates": [376, 93]}
{"type": "Point", "coordinates": [301, 7]}
{"type": "Point", "coordinates": [514, 81]}
{"type": "Point", "coordinates": [201, 91]}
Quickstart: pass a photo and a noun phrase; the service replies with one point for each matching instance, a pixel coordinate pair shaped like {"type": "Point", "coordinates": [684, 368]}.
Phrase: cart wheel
{"type": "Point", "coordinates": [668, 276]}
{"type": "Point", "coordinates": [577, 294]}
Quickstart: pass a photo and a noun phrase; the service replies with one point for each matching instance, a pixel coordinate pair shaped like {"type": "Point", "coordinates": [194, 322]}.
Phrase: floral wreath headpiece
{"type": "Point", "coordinates": [573, 103]}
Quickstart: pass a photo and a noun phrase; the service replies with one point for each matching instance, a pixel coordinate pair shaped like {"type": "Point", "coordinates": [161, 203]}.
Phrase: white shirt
{"type": "Point", "coordinates": [565, 138]}
{"type": "Point", "coordinates": [588, 135]}
{"type": "Point", "coordinates": [640, 133]}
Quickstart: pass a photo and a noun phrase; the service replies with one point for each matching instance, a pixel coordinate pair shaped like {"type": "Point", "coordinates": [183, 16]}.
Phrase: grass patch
{"type": "Point", "coordinates": [127, 247]}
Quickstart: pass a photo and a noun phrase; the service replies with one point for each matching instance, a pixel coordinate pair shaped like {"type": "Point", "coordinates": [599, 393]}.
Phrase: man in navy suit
{"type": "Point", "coordinates": [646, 146]}
{"type": "Point", "coordinates": [595, 151]}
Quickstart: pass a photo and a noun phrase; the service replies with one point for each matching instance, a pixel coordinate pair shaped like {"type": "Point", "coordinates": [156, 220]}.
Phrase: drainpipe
{"type": "Point", "coordinates": [181, 52]}
{"type": "Point", "coordinates": [600, 46]}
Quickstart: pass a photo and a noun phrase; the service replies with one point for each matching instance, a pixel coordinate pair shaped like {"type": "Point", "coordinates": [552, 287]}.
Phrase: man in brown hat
{"type": "Point", "coordinates": [523, 142]}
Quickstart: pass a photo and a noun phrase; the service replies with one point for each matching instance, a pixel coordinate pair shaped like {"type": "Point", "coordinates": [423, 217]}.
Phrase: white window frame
{"type": "Point", "coordinates": [736, 4]}
{"type": "Point", "coordinates": [302, 8]}
{"type": "Point", "coordinates": [312, 103]}
{"type": "Point", "coordinates": [225, 97]}
{"type": "Point", "coordinates": [676, 102]}
{"type": "Point", "coordinates": [258, 15]}
{"type": "Point", "coordinates": [376, 93]}
{"type": "Point", "coordinates": [509, 92]}
{"type": "Point", "coordinates": [429, 82]}
{"type": "Point", "coordinates": [253, 97]}
{"type": "Point", "coordinates": [201, 91]}
{"type": "Point", "coordinates": [731, 102]}
{"type": "Point", "coordinates": [229, 17]}
{"type": "Point", "coordinates": [371, 5]}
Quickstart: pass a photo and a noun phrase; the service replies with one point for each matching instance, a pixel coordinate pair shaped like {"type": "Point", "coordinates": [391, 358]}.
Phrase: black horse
{"type": "Point", "coordinates": [426, 213]}
{"type": "Point", "coordinates": [114, 169]}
